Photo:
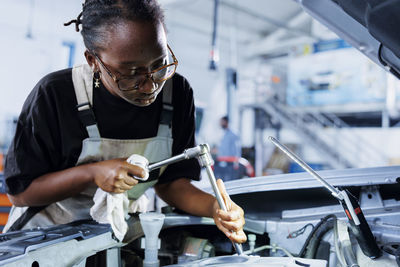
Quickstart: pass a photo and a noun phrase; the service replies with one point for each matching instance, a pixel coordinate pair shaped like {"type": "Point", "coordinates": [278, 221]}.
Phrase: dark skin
{"type": "Point", "coordinates": [133, 46]}
{"type": "Point", "coordinates": [140, 46]}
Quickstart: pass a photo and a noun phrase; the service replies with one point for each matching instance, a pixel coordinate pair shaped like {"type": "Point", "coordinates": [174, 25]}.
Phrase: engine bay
{"type": "Point", "coordinates": [291, 220]}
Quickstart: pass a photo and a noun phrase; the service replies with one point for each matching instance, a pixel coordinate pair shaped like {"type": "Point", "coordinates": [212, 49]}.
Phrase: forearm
{"type": "Point", "coordinates": [183, 195]}
{"type": "Point", "coordinates": [114, 176]}
{"type": "Point", "coordinates": [55, 186]}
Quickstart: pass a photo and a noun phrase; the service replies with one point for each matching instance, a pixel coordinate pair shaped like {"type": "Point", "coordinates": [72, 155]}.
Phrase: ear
{"type": "Point", "coordinates": [91, 60]}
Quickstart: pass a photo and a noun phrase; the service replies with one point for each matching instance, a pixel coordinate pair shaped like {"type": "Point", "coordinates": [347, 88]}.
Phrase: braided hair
{"type": "Point", "coordinates": [98, 16]}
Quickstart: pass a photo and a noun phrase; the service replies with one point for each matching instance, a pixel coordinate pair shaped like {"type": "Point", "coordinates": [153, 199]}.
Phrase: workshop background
{"type": "Point", "coordinates": [265, 63]}
{"type": "Point", "coordinates": [274, 71]}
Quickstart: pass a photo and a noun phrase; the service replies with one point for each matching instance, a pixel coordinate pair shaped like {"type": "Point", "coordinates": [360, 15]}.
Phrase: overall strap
{"type": "Point", "coordinates": [25, 217]}
{"type": "Point", "coordinates": [165, 126]}
{"type": "Point", "coordinates": [82, 77]}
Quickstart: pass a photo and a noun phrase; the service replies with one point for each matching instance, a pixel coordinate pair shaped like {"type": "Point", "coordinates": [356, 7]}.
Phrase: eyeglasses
{"type": "Point", "coordinates": [133, 82]}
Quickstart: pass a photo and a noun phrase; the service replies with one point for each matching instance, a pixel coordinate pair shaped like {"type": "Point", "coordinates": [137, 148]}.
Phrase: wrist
{"type": "Point", "coordinates": [89, 172]}
{"type": "Point", "coordinates": [214, 207]}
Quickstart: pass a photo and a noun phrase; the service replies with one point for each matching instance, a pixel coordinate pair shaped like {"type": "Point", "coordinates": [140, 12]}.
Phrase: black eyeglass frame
{"type": "Point", "coordinates": [146, 74]}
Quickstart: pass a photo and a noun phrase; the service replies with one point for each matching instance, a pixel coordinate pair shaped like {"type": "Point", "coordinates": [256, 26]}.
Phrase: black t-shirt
{"type": "Point", "coordinates": [49, 133]}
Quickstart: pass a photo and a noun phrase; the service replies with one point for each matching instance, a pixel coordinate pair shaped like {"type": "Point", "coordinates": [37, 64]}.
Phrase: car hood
{"type": "Point", "coordinates": [371, 26]}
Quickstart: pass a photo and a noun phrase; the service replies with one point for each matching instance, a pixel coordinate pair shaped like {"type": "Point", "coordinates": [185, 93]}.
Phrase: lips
{"type": "Point", "coordinates": [141, 99]}
{"type": "Point", "coordinates": [146, 101]}
{"type": "Point", "coordinates": [148, 98]}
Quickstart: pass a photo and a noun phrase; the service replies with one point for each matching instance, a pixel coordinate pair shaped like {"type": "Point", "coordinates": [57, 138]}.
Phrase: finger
{"type": "Point", "coordinates": [229, 215]}
{"type": "Point", "coordinates": [125, 181]}
{"type": "Point", "coordinates": [130, 180]}
{"type": "Point", "coordinates": [124, 177]}
{"type": "Point", "coordinates": [120, 181]}
{"type": "Point", "coordinates": [233, 226]}
{"type": "Point", "coordinates": [135, 170]}
{"type": "Point", "coordinates": [238, 237]}
{"type": "Point", "coordinates": [123, 186]}
{"type": "Point", "coordinates": [118, 190]}
{"type": "Point", "coordinates": [224, 194]}
{"type": "Point", "coordinates": [226, 231]}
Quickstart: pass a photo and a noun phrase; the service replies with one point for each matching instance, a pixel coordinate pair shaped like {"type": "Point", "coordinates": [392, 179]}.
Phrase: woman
{"type": "Point", "coordinates": [78, 126]}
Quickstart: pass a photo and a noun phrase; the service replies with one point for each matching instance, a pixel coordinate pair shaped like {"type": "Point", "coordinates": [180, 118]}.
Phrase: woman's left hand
{"type": "Point", "coordinates": [230, 222]}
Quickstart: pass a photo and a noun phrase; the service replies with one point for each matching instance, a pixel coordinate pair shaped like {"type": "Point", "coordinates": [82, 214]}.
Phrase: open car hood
{"type": "Point", "coordinates": [371, 26]}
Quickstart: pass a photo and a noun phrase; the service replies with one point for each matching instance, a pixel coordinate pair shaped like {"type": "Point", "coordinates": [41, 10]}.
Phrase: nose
{"type": "Point", "coordinates": [147, 86]}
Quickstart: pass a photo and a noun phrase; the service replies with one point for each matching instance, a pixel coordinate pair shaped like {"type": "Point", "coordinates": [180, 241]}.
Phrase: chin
{"type": "Point", "coordinates": [132, 99]}
{"type": "Point", "coordinates": [139, 103]}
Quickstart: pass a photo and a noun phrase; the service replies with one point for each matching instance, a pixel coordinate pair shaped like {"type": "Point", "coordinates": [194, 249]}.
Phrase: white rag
{"type": "Point", "coordinates": [113, 208]}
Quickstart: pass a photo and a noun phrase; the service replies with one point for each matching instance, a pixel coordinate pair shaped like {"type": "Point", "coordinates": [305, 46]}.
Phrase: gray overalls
{"type": "Point", "coordinates": [94, 149]}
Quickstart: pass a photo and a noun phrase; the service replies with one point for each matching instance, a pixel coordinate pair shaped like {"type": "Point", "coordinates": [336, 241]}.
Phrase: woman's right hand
{"type": "Point", "coordinates": [115, 175]}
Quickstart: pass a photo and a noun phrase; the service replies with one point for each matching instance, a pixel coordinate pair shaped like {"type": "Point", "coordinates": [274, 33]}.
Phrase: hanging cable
{"type": "Point", "coordinates": [214, 51]}
{"type": "Point", "coordinates": [313, 239]}
{"type": "Point", "coordinates": [30, 20]}
{"type": "Point", "coordinates": [301, 231]}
